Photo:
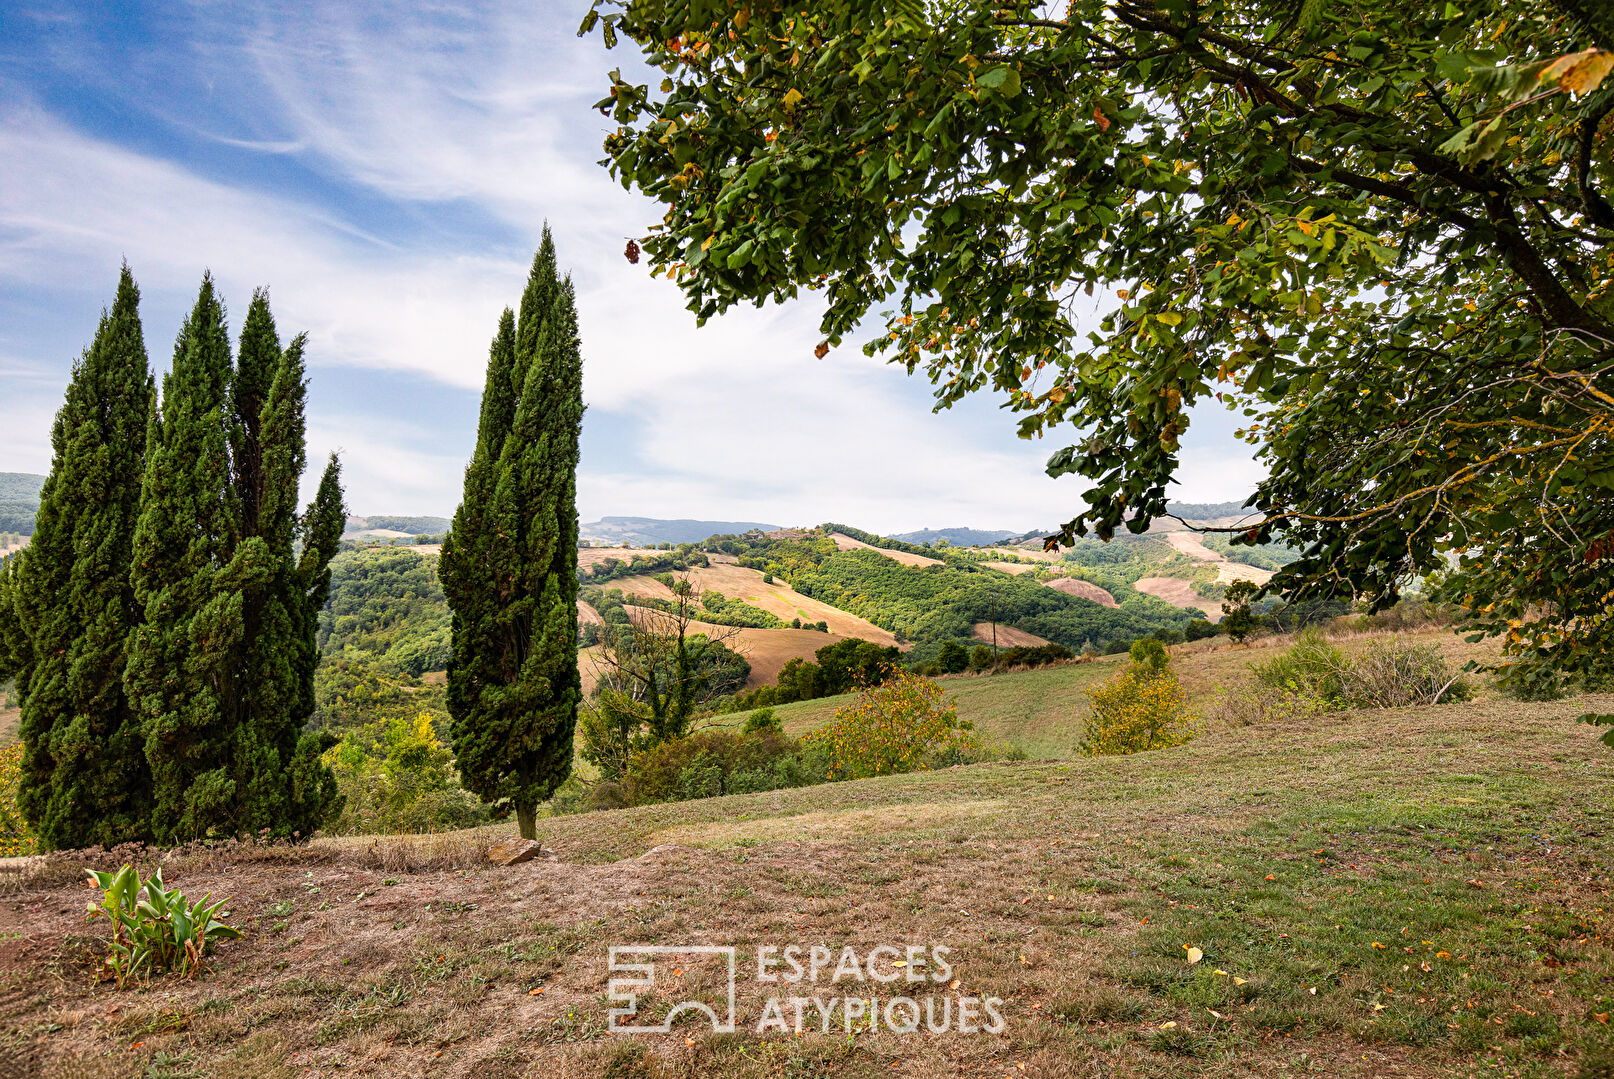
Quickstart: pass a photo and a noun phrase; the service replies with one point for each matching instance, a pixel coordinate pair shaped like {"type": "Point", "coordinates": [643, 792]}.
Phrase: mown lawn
{"type": "Point", "coordinates": [1411, 893]}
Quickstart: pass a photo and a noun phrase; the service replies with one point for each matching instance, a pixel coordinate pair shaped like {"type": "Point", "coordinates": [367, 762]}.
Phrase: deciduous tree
{"type": "Point", "coordinates": [1381, 229]}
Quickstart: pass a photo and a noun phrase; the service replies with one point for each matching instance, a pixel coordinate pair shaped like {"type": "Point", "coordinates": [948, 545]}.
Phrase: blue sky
{"type": "Point", "coordinates": [385, 169]}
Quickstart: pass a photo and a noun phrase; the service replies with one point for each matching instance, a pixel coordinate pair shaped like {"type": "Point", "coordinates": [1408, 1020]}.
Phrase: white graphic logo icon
{"type": "Point", "coordinates": [662, 959]}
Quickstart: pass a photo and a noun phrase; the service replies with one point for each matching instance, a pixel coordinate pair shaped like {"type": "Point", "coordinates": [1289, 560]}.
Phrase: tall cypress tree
{"type": "Point", "coordinates": [84, 779]}
{"type": "Point", "coordinates": [509, 565]}
{"type": "Point", "coordinates": [233, 580]}
{"type": "Point", "coordinates": [181, 672]}
{"type": "Point", "coordinates": [279, 782]}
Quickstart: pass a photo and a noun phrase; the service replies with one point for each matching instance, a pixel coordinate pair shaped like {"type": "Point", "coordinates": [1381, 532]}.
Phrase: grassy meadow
{"type": "Point", "coordinates": [1413, 892]}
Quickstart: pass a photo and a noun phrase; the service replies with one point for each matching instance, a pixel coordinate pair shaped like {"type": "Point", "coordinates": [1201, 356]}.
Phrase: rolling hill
{"type": "Point", "coordinates": [640, 531]}
{"type": "Point", "coordinates": [957, 537]}
{"type": "Point", "coordinates": [19, 501]}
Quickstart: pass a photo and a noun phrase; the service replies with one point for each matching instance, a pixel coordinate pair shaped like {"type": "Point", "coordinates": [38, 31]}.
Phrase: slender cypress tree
{"type": "Point", "coordinates": [233, 580]}
{"type": "Point", "coordinates": [181, 672]}
{"type": "Point", "coordinates": [84, 779]}
{"type": "Point", "coordinates": [509, 565]}
{"type": "Point", "coordinates": [279, 782]}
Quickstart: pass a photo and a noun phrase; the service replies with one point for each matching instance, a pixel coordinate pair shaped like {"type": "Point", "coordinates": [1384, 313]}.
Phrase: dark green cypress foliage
{"type": "Point", "coordinates": [312, 795]}
{"type": "Point", "coordinates": [279, 615]}
{"type": "Point", "coordinates": [509, 566]}
{"type": "Point", "coordinates": [235, 599]}
{"type": "Point", "coordinates": [84, 777]}
{"type": "Point", "coordinates": [16, 657]}
{"type": "Point", "coordinates": [183, 669]}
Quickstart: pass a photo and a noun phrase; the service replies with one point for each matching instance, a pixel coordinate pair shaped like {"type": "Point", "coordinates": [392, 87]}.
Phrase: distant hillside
{"type": "Point", "coordinates": [958, 537]}
{"type": "Point", "coordinates": [1208, 511]}
{"type": "Point", "coordinates": [19, 501]}
{"type": "Point", "coordinates": [408, 526]}
{"type": "Point", "coordinates": [641, 530]}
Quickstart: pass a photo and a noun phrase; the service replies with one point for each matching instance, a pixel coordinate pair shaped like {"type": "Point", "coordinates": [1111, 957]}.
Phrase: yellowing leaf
{"type": "Point", "coordinates": [1194, 954]}
{"type": "Point", "coordinates": [1587, 72]}
{"type": "Point", "coordinates": [792, 96]}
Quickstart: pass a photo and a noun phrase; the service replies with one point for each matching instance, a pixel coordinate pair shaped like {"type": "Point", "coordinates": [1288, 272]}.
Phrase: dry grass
{"type": "Point", "coordinates": [1418, 893]}
{"type": "Point", "coordinates": [1284, 851]}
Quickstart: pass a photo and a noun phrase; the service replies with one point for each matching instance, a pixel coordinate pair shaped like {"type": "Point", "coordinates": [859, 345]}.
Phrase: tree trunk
{"type": "Point", "coordinates": [527, 820]}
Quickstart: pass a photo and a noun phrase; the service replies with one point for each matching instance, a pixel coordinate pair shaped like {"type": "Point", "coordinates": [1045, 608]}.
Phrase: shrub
{"type": "Point", "coordinates": [980, 658]}
{"type": "Point", "coordinates": [710, 764]}
{"type": "Point", "coordinates": [397, 777]}
{"type": "Point", "coordinates": [155, 930]}
{"type": "Point", "coordinates": [1149, 652]}
{"type": "Point", "coordinates": [763, 719]}
{"type": "Point", "coordinates": [1388, 675]}
{"type": "Point", "coordinates": [16, 838]}
{"type": "Point", "coordinates": [1392, 675]}
{"type": "Point", "coordinates": [1140, 709]}
{"type": "Point", "coordinates": [953, 657]}
{"type": "Point", "coordinates": [1199, 629]}
{"type": "Point", "coordinates": [1311, 667]}
{"type": "Point", "coordinates": [1034, 656]}
{"type": "Point", "coordinates": [905, 724]}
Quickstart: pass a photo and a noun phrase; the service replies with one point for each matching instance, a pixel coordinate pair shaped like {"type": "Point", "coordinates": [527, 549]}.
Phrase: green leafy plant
{"type": "Point", "coordinates": [155, 930]}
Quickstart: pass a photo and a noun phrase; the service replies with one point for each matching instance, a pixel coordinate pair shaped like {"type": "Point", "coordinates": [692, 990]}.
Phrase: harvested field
{"type": "Point", "coordinates": [847, 543]}
{"type": "Point", "coordinates": [1178, 593]}
{"type": "Point", "coordinates": [1014, 568]}
{"type": "Point", "coordinates": [1008, 636]}
{"type": "Point", "coordinates": [777, 598]}
{"type": "Point", "coordinates": [1075, 586]}
{"type": "Point", "coordinates": [767, 650]}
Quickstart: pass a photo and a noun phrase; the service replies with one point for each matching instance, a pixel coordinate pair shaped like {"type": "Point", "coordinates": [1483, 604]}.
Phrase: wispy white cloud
{"type": "Point", "coordinates": [439, 115]}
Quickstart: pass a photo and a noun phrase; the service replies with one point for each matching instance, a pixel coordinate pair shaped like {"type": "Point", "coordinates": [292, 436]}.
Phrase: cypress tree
{"type": "Point", "coordinates": [279, 782]}
{"type": "Point", "coordinates": [509, 564]}
{"type": "Point", "coordinates": [233, 580]}
{"type": "Point", "coordinates": [181, 673]}
{"type": "Point", "coordinates": [84, 779]}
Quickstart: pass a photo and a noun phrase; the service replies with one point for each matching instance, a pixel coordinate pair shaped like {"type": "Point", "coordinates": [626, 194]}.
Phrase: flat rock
{"type": "Point", "coordinates": [514, 850]}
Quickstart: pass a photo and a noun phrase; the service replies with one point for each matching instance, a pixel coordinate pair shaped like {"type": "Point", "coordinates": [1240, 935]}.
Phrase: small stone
{"type": "Point", "coordinates": [513, 850]}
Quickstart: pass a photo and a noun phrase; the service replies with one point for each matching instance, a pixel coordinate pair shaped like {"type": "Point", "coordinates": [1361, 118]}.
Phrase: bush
{"type": "Point", "coordinates": [397, 777]}
{"type": "Point", "coordinates": [1311, 668]}
{"type": "Point", "coordinates": [980, 658]}
{"type": "Point", "coordinates": [1140, 709]}
{"type": "Point", "coordinates": [16, 838]}
{"type": "Point", "coordinates": [1199, 629]}
{"type": "Point", "coordinates": [1391, 675]}
{"type": "Point", "coordinates": [763, 719]}
{"type": "Point", "coordinates": [710, 764]}
{"type": "Point", "coordinates": [1034, 656]}
{"type": "Point", "coordinates": [903, 725]}
{"type": "Point", "coordinates": [953, 657]}
{"type": "Point", "coordinates": [1149, 652]}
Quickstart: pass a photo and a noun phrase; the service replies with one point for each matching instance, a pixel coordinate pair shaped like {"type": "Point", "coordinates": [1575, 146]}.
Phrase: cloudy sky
{"type": "Point", "coordinates": [385, 169]}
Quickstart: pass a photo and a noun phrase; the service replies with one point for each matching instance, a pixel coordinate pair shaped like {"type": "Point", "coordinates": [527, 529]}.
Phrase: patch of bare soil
{"type": "Point", "coordinates": [1008, 636]}
{"type": "Point", "coordinates": [1177, 592]}
{"type": "Point", "coordinates": [1085, 589]}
